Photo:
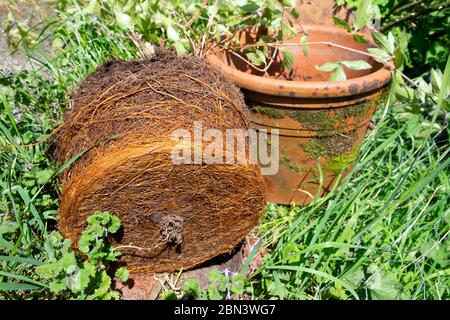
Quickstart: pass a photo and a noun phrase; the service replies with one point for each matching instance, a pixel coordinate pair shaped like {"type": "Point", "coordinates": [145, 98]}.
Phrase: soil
{"type": "Point", "coordinates": [150, 286]}
{"type": "Point", "coordinates": [171, 227]}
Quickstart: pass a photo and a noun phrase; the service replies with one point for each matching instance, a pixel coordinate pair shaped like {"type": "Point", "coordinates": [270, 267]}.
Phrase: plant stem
{"type": "Point", "coordinates": [324, 43]}
{"type": "Point", "coordinates": [255, 67]}
{"type": "Point", "coordinates": [407, 6]}
{"type": "Point", "coordinates": [414, 15]}
{"type": "Point", "coordinates": [386, 63]}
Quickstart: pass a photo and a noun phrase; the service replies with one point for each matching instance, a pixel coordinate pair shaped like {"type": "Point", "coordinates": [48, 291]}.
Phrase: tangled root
{"type": "Point", "coordinates": [119, 128]}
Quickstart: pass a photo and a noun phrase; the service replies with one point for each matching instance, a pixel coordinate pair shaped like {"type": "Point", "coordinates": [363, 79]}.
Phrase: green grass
{"type": "Point", "coordinates": [382, 235]}
{"type": "Point", "coordinates": [32, 104]}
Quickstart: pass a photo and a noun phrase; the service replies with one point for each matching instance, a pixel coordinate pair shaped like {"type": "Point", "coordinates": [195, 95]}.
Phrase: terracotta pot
{"type": "Point", "coordinates": [318, 120]}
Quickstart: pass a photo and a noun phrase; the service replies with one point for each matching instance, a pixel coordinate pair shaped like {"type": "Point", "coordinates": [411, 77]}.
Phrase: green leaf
{"type": "Point", "coordinates": [91, 7]}
{"type": "Point", "coordinates": [102, 287]}
{"type": "Point", "coordinates": [114, 224]}
{"type": "Point", "coordinates": [128, 6]}
{"type": "Point", "coordinates": [218, 279]}
{"type": "Point", "coordinates": [360, 38]}
{"type": "Point", "coordinates": [257, 58]}
{"type": "Point", "coordinates": [381, 54]}
{"type": "Point", "coordinates": [68, 260]}
{"type": "Point", "coordinates": [47, 271]}
{"type": "Point", "coordinates": [249, 7]}
{"type": "Point", "coordinates": [362, 15]}
{"type": "Point", "coordinates": [172, 34]}
{"type": "Point", "coordinates": [169, 295]}
{"type": "Point", "coordinates": [445, 86]}
{"type": "Point", "coordinates": [439, 253]}
{"type": "Point", "coordinates": [84, 243]}
{"type": "Point", "coordinates": [57, 286]}
{"type": "Point", "coordinates": [355, 277]}
{"type": "Point", "coordinates": [213, 293]}
{"type": "Point", "coordinates": [399, 58]}
{"type": "Point", "coordinates": [288, 60]}
{"type": "Point", "coordinates": [192, 9]}
{"type": "Point", "coordinates": [88, 272]}
{"type": "Point", "coordinates": [123, 20]}
{"type": "Point", "coordinates": [342, 23]}
{"type": "Point", "coordinates": [237, 284]}
{"type": "Point", "coordinates": [391, 40]}
{"type": "Point", "coordinates": [291, 253]}
{"type": "Point", "coordinates": [383, 42]}
{"type": "Point", "coordinates": [43, 176]}
{"type": "Point", "coordinates": [338, 74]}
{"type": "Point", "coordinates": [384, 286]}
{"type": "Point", "coordinates": [288, 3]}
{"type": "Point", "coordinates": [304, 39]}
{"type": "Point", "coordinates": [179, 47]}
{"type": "Point", "coordinates": [338, 292]}
{"type": "Point", "coordinates": [122, 273]}
{"type": "Point", "coordinates": [357, 65]}
{"type": "Point", "coordinates": [436, 81]}
{"type": "Point", "coordinates": [329, 66]}
{"type": "Point", "coordinates": [212, 11]}
{"type": "Point", "coordinates": [295, 13]}
{"type": "Point", "coordinates": [57, 43]}
{"type": "Point", "coordinates": [191, 285]}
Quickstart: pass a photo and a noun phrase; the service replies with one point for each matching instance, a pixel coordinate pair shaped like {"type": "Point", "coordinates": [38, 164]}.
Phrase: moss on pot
{"type": "Point", "coordinates": [270, 112]}
{"type": "Point", "coordinates": [314, 149]}
{"type": "Point", "coordinates": [309, 119]}
{"type": "Point", "coordinates": [294, 166]}
{"type": "Point", "coordinates": [342, 161]}
{"type": "Point", "coordinates": [358, 110]}
{"type": "Point", "coordinates": [330, 146]}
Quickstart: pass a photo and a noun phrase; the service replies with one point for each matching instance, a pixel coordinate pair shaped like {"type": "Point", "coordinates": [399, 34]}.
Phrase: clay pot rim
{"type": "Point", "coordinates": [307, 89]}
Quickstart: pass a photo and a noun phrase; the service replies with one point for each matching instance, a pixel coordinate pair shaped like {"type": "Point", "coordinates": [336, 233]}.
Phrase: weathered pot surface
{"type": "Point", "coordinates": [319, 121]}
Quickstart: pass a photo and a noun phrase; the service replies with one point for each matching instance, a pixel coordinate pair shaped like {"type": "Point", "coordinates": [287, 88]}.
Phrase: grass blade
{"type": "Point", "coordinates": [17, 286]}
{"type": "Point", "coordinates": [31, 261]}
{"type": "Point", "coordinates": [327, 276]}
